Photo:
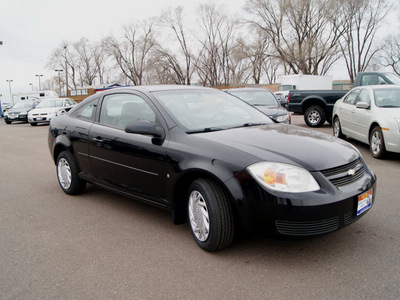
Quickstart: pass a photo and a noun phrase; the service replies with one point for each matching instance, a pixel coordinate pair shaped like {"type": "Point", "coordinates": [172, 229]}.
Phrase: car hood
{"type": "Point", "coordinates": [272, 111]}
{"type": "Point", "coordinates": [44, 110]}
{"type": "Point", "coordinates": [18, 110]}
{"type": "Point", "coordinates": [286, 144]}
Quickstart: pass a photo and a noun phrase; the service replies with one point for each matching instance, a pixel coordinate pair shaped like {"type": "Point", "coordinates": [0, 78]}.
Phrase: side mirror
{"type": "Point", "coordinates": [145, 127]}
{"type": "Point", "coordinates": [362, 105]}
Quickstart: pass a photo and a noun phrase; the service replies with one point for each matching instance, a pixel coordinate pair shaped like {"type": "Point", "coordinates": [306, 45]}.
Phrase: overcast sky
{"type": "Point", "coordinates": [32, 29]}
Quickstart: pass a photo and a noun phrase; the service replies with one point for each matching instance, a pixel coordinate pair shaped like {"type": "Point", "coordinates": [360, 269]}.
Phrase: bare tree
{"type": "Point", "coordinates": [132, 52]}
{"type": "Point", "coordinates": [362, 19]}
{"type": "Point", "coordinates": [87, 68]}
{"type": "Point", "coordinates": [64, 57]}
{"type": "Point", "coordinates": [300, 32]}
{"type": "Point", "coordinates": [214, 61]}
{"type": "Point", "coordinates": [180, 73]}
{"type": "Point", "coordinates": [390, 54]}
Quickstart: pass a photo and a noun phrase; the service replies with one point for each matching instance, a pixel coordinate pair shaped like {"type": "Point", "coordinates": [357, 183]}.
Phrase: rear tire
{"type": "Point", "coordinates": [210, 215]}
{"type": "Point", "coordinates": [67, 175]}
{"type": "Point", "coordinates": [314, 116]}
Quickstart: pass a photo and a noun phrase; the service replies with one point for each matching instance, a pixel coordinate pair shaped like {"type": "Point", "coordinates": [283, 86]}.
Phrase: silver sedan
{"type": "Point", "coordinates": [370, 114]}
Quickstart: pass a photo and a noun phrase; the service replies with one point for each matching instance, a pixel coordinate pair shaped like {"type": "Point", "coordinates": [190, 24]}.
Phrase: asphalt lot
{"type": "Point", "coordinates": [102, 246]}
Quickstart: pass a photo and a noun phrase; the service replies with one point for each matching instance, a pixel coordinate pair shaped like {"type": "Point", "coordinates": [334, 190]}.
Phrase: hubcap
{"type": "Point", "coordinates": [198, 216]}
{"type": "Point", "coordinates": [64, 173]}
{"type": "Point", "coordinates": [336, 129]}
{"type": "Point", "coordinates": [313, 117]}
{"type": "Point", "coordinates": [376, 142]}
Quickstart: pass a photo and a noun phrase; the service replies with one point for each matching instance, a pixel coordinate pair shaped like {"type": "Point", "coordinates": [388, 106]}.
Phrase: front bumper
{"type": "Point", "coordinates": [302, 214]}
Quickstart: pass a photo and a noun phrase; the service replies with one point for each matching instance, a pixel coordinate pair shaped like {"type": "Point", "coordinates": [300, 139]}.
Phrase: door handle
{"type": "Point", "coordinates": [98, 141]}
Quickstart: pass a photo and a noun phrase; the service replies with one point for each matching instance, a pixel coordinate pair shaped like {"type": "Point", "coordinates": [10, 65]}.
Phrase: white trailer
{"type": "Point", "coordinates": [303, 82]}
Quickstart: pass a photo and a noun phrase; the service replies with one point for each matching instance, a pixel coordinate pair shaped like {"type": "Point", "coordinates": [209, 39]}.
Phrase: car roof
{"type": "Point", "coordinates": [380, 87]}
{"type": "Point", "coordinates": [157, 88]}
{"type": "Point", "coordinates": [249, 89]}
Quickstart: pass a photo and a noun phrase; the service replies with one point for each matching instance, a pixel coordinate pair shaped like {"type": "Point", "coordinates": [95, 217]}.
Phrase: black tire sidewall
{"type": "Point", "coordinates": [220, 215]}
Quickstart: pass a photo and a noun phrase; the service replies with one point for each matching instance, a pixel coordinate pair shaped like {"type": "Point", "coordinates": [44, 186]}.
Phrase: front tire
{"type": "Point", "coordinates": [337, 129]}
{"type": "Point", "coordinates": [210, 215]}
{"type": "Point", "coordinates": [314, 116]}
{"type": "Point", "coordinates": [67, 175]}
{"type": "Point", "coordinates": [33, 124]}
{"type": "Point", "coordinates": [376, 143]}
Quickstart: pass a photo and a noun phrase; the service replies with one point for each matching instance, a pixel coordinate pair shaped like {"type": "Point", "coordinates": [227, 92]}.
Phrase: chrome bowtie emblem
{"type": "Point", "coordinates": [351, 172]}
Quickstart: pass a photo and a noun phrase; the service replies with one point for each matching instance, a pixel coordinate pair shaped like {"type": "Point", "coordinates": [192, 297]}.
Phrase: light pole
{"type": "Point", "coordinates": [66, 71]}
{"type": "Point", "coordinates": [9, 84]}
{"type": "Point", "coordinates": [38, 76]}
{"type": "Point", "coordinates": [59, 80]}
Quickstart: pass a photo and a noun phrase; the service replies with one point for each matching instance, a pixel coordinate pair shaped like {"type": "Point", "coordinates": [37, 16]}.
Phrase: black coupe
{"type": "Point", "coordinates": [212, 160]}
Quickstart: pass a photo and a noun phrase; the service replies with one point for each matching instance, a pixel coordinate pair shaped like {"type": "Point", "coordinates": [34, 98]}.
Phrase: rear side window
{"type": "Point", "coordinates": [372, 79]}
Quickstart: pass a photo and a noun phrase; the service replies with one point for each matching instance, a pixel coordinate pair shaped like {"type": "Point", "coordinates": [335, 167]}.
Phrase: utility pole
{"type": "Point", "coordinates": [59, 80]}
{"type": "Point", "coordinates": [9, 84]}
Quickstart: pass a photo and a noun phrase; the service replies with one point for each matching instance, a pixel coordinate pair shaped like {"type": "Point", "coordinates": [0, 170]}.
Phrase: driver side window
{"type": "Point", "coordinates": [118, 110]}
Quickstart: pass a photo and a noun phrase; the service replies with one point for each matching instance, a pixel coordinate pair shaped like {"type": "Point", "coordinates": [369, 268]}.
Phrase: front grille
{"type": "Point", "coordinates": [346, 174]}
{"type": "Point", "coordinates": [319, 227]}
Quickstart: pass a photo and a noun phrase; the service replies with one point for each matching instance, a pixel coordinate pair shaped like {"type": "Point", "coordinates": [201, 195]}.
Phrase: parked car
{"type": "Point", "coordinates": [49, 108]}
{"type": "Point", "coordinates": [317, 105]}
{"type": "Point", "coordinates": [19, 112]}
{"type": "Point", "coordinates": [370, 114]}
{"type": "Point", "coordinates": [212, 160]}
{"type": "Point", "coordinates": [264, 100]}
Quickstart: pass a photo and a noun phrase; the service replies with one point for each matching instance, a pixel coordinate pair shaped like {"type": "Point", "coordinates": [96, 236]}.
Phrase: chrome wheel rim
{"type": "Point", "coordinates": [336, 128]}
{"type": "Point", "coordinates": [64, 173]}
{"type": "Point", "coordinates": [376, 142]}
{"type": "Point", "coordinates": [198, 216]}
{"type": "Point", "coordinates": [313, 117]}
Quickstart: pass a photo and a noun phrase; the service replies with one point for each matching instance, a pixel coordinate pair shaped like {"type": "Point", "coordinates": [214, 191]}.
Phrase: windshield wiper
{"type": "Point", "coordinates": [207, 129]}
{"type": "Point", "coordinates": [247, 125]}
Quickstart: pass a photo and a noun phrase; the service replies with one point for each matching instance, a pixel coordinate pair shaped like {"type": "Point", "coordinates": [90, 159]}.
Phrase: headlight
{"type": "Point", "coordinates": [282, 118]}
{"type": "Point", "coordinates": [283, 177]}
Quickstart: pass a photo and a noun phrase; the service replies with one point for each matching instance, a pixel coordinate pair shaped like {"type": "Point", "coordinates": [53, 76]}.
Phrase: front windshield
{"type": "Point", "coordinates": [50, 103]}
{"type": "Point", "coordinates": [393, 78]}
{"type": "Point", "coordinates": [256, 98]}
{"type": "Point", "coordinates": [388, 97]}
{"type": "Point", "coordinates": [208, 110]}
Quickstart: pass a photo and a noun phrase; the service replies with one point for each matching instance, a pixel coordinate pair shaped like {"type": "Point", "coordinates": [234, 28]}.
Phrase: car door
{"type": "Point", "coordinates": [361, 117]}
{"type": "Point", "coordinates": [128, 162]}
{"type": "Point", "coordinates": [346, 110]}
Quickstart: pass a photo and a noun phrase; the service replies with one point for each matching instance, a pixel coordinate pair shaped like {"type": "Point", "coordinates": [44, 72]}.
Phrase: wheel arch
{"type": "Point", "coordinates": [313, 101]}
{"type": "Point", "coordinates": [180, 189]}
{"type": "Point", "coordinates": [371, 127]}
